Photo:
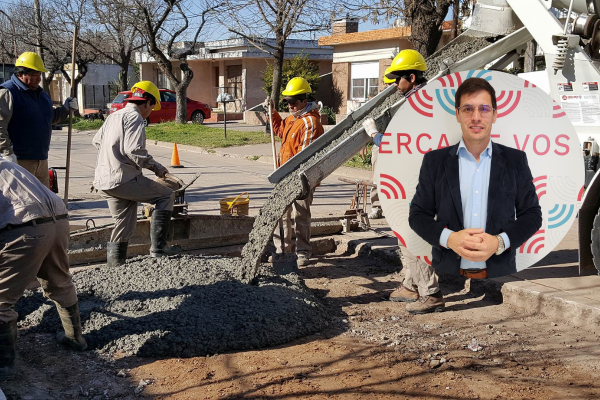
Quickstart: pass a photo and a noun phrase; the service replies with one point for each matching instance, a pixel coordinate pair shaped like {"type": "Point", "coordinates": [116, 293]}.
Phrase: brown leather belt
{"type": "Point", "coordinates": [474, 273]}
{"type": "Point", "coordinates": [35, 222]}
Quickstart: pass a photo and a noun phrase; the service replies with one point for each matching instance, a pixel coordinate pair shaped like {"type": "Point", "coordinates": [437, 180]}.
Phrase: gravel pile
{"type": "Point", "coordinates": [182, 307]}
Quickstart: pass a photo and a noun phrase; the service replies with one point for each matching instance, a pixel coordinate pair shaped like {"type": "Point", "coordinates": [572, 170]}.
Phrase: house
{"type": "Point", "coordinates": [360, 59]}
{"type": "Point", "coordinates": [98, 87]}
{"type": "Point", "coordinates": [235, 66]}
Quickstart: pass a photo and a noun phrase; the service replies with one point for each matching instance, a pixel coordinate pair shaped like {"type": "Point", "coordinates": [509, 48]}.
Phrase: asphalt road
{"type": "Point", "coordinates": [220, 177]}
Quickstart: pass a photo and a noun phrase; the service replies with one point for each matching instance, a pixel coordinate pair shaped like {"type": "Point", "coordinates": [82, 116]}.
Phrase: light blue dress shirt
{"type": "Point", "coordinates": [474, 185]}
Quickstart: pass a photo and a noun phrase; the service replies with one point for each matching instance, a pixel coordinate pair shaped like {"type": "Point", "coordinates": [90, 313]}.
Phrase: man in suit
{"type": "Point", "coordinates": [475, 202]}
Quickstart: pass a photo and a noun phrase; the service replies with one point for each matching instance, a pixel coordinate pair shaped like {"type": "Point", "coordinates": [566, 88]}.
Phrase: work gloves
{"type": "Point", "coordinates": [9, 157]}
{"type": "Point", "coordinates": [161, 172]}
{"type": "Point", "coordinates": [370, 127]}
{"type": "Point", "coordinates": [268, 101]}
{"type": "Point", "coordinates": [71, 103]}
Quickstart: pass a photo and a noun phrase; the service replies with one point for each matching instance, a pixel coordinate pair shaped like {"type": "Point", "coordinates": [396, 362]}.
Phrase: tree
{"type": "Point", "coordinates": [298, 65]}
{"type": "Point", "coordinates": [165, 26]}
{"type": "Point", "coordinates": [113, 35]}
{"type": "Point", "coordinates": [425, 17]}
{"type": "Point", "coordinates": [256, 20]}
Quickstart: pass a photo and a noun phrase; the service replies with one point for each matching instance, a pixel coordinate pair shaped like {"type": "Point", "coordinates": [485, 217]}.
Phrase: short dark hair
{"type": "Point", "coordinates": [23, 70]}
{"type": "Point", "coordinates": [474, 85]}
{"type": "Point", "coordinates": [419, 78]}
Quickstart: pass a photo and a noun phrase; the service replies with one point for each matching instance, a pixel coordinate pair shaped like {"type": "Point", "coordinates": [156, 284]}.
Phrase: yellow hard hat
{"type": "Point", "coordinates": [146, 86]}
{"type": "Point", "coordinates": [31, 60]}
{"type": "Point", "coordinates": [297, 86]}
{"type": "Point", "coordinates": [406, 60]}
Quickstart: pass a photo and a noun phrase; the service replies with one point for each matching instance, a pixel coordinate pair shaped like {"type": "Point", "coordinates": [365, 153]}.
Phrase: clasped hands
{"type": "Point", "coordinates": [473, 244]}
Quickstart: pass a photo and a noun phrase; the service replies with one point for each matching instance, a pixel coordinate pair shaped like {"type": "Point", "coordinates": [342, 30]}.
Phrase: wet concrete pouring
{"type": "Point", "coordinates": [197, 306]}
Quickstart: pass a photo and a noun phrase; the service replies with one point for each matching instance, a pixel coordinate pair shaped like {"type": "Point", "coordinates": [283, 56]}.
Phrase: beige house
{"type": "Point", "coordinates": [360, 59]}
{"type": "Point", "coordinates": [235, 66]}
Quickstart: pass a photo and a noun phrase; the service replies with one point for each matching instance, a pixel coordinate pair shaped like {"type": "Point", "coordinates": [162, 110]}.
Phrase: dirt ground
{"type": "Point", "coordinates": [372, 350]}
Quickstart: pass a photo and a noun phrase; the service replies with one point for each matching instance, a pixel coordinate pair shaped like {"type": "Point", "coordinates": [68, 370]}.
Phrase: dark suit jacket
{"type": "Point", "coordinates": [511, 194]}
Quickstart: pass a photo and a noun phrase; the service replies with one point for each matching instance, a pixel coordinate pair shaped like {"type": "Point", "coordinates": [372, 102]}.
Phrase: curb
{"type": "Point", "coordinates": [531, 301]}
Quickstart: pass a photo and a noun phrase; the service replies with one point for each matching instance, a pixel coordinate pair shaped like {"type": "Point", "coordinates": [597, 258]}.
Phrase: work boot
{"type": "Point", "coordinates": [427, 304]}
{"type": "Point", "coordinates": [159, 228]}
{"type": "Point", "coordinates": [8, 350]}
{"type": "Point", "coordinates": [303, 259]}
{"type": "Point", "coordinates": [71, 321]}
{"type": "Point", "coordinates": [116, 253]}
{"type": "Point", "coordinates": [404, 294]}
{"type": "Point", "coordinates": [375, 213]}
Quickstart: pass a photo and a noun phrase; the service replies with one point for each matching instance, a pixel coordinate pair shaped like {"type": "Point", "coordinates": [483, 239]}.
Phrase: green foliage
{"type": "Point", "coordinates": [298, 65]}
{"type": "Point", "coordinates": [358, 161]}
{"type": "Point", "coordinates": [330, 115]}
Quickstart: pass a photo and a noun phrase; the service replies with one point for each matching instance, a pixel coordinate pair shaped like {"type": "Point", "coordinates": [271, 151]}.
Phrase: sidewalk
{"type": "Point", "coordinates": [552, 287]}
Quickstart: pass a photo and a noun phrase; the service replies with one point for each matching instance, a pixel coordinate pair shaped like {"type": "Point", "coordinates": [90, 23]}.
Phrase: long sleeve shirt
{"type": "Point", "coordinates": [474, 183]}
{"type": "Point", "coordinates": [122, 154]}
{"type": "Point", "coordinates": [23, 197]}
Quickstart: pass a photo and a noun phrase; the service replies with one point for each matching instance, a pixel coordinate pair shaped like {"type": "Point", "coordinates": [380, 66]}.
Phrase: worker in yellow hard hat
{"type": "Point", "coordinates": [27, 115]}
{"type": "Point", "coordinates": [122, 154]}
{"type": "Point", "coordinates": [298, 130]}
{"type": "Point", "coordinates": [420, 286]}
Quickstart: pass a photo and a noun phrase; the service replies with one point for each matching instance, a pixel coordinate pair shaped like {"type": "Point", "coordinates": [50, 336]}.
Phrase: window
{"type": "Point", "coordinates": [365, 80]}
{"type": "Point", "coordinates": [168, 96]}
{"type": "Point", "coordinates": [234, 80]}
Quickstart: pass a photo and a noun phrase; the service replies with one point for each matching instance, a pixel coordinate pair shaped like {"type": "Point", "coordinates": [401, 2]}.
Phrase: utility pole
{"type": "Point", "coordinates": [38, 40]}
{"type": "Point", "coordinates": [455, 8]}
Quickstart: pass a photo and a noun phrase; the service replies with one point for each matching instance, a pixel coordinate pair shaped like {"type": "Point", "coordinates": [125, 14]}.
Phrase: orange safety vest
{"type": "Point", "coordinates": [296, 132]}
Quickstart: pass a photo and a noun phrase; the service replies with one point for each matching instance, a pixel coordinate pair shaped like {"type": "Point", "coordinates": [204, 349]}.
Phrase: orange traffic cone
{"type": "Point", "coordinates": [175, 158]}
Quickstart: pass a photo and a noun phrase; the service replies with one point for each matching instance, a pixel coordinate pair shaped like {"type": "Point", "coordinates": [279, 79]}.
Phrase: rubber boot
{"type": "Point", "coordinates": [159, 228]}
{"type": "Point", "coordinates": [71, 321]}
{"type": "Point", "coordinates": [8, 350]}
{"type": "Point", "coordinates": [116, 253]}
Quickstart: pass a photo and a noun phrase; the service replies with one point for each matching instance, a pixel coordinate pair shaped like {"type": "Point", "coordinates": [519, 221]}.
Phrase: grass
{"type": "Point", "coordinates": [81, 124]}
{"type": "Point", "coordinates": [203, 136]}
{"type": "Point", "coordinates": [358, 161]}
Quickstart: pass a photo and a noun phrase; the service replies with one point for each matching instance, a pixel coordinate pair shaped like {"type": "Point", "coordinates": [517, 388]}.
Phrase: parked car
{"type": "Point", "coordinates": [197, 111]}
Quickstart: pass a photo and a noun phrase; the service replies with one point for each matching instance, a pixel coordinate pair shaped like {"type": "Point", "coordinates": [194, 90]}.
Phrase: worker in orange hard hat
{"type": "Point", "coordinates": [27, 115]}
{"type": "Point", "coordinates": [122, 154]}
{"type": "Point", "coordinates": [296, 131]}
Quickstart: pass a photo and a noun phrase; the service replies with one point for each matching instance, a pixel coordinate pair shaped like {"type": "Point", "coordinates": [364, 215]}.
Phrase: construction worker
{"type": "Point", "coordinates": [34, 235]}
{"type": "Point", "coordinates": [27, 115]}
{"type": "Point", "coordinates": [376, 211]}
{"type": "Point", "coordinates": [297, 131]}
{"type": "Point", "coordinates": [122, 154]}
{"type": "Point", "coordinates": [420, 286]}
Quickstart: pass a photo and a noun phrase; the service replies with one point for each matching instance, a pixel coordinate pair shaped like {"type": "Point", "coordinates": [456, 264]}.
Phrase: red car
{"type": "Point", "coordinates": [197, 111]}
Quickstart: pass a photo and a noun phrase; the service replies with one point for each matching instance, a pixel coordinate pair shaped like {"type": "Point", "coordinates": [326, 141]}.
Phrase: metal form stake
{"type": "Point", "coordinates": [68, 166]}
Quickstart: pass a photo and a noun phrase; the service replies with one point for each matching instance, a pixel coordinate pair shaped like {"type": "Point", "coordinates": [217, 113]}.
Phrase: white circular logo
{"type": "Point", "coordinates": [528, 120]}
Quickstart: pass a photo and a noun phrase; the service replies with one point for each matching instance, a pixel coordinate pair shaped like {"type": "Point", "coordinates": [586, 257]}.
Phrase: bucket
{"type": "Point", "coordinates": [235, 205]}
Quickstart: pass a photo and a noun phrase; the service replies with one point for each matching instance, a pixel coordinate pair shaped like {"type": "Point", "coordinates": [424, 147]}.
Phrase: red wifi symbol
{"type": "Point", "coordinates": [395, 187]}
{"type": "Point", "coordinates": [426, 259]}
{"type": "Point", "coordinates": [450, 80]}
{"type": "Point", "coordinates": [507, 104]}
{"type": "Point", "coordinates": [421, 102]}
{"type": "Point", "coordinates": [540, 187]}
{"type": "Point", "coordinates": [529, 84]}
{"type": "Point", "coordinates": [580, 195]}
{"type": "Point", "coordinates": [399, 238]}
{"type": "Point", "coordinates": [557, 111]}
{"type": "Point", "coordinates": [535, 239]}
